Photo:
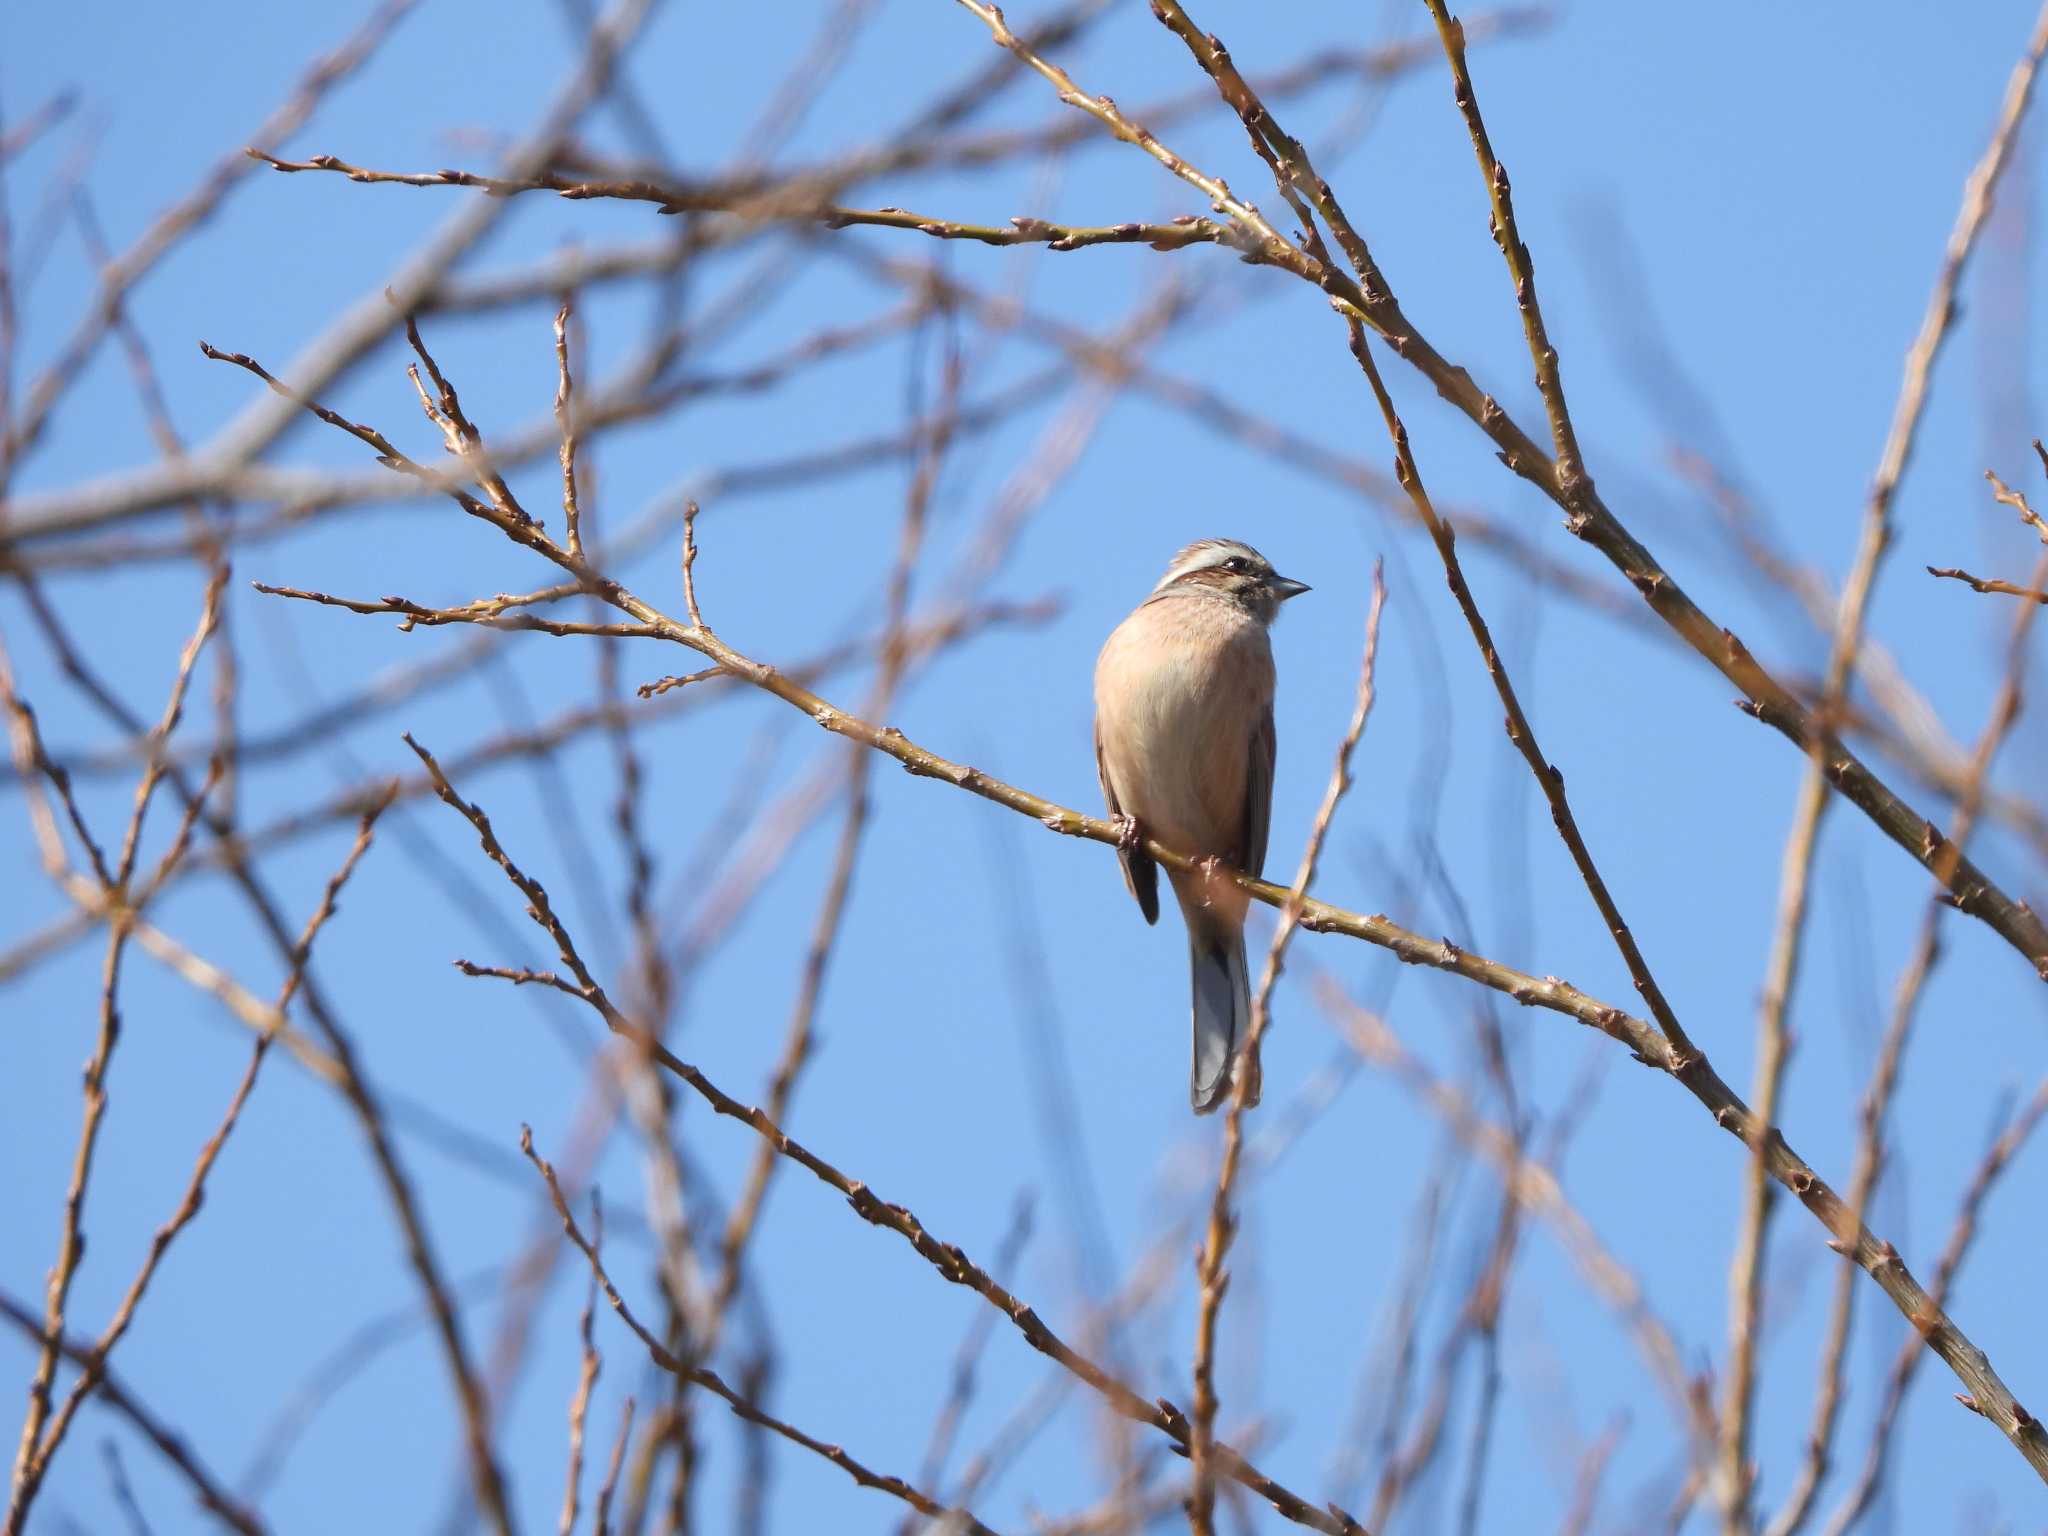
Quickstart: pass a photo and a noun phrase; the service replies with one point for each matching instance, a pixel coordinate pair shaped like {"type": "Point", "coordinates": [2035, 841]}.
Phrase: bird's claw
{"type": "Point", "coordinates": [1129, 835]}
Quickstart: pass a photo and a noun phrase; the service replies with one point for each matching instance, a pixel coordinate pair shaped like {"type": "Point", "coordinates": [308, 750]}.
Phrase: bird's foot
{"type": "Point", "coordinates": [1215, 875]}
{"type": "Point", "coordinates": [1130, 836]}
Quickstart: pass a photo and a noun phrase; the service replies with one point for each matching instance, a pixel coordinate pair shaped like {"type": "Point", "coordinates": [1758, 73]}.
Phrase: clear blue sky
{"type": "Point", "coordinates": [1766, 190]}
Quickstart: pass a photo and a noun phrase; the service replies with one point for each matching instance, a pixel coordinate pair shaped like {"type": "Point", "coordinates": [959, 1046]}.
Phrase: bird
{"type": "Point", "coordinates": [1184, 744]}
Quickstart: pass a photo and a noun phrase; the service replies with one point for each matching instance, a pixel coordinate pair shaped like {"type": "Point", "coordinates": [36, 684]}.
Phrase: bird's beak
{"type": "Point", "coordinates": [1286, 586]}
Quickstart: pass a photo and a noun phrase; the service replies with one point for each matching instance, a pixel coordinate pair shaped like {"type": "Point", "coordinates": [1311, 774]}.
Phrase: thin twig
{"type": "Point", "coordinates": [710, 1380]}
{"type": "Point", "coordinates": [1571, 468]}
{"type": "Point", "coordinates": [94, 1369]}
{"type": "Point", "coordinates": [1586, 1484]}
{"type": "Point", "coordinates": [223, 1505]}
{"type": "Point", "coordinates": [572, 511]}
{"type": "Point", "coordinates": [2006, 496]}
{"type": "Point", "coordinates": [30, 1456]}
{"type": "Point", "coordinates": [1984, 584]}
{"type": "Point", "coordinates": [485, 613]}
{"type": "Point", "coordinates": [1222, 1223]}
{"type": "Point", "coordinates": [1535, 1187]}
{"type": "Point", "coordinates": [675, 197]}
{"type": "Point", "coordinates": [179, 220]}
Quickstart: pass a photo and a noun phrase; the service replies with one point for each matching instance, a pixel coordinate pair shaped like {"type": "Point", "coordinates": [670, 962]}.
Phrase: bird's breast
{"type": "Point", "coordinates": [1179, 689]}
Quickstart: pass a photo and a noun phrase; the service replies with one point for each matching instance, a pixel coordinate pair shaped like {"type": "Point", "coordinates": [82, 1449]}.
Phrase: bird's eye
{"type": "Point", "coordinates": [1234, 563]}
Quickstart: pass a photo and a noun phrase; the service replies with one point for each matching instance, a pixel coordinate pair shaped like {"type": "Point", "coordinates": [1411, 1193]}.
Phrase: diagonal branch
{"type": "Point", "coordinates": [1571, 466]}
{"type": "Point", "coordinates": [712, 1382]}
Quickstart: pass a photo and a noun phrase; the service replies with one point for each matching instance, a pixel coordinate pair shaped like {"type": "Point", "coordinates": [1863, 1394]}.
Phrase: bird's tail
{"type": "Point", "coordinates": [1222, 1011]}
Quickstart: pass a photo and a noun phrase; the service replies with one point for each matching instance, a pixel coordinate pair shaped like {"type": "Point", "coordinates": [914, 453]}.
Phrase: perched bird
{"type": "Point", "coordinates": [1184, 744]}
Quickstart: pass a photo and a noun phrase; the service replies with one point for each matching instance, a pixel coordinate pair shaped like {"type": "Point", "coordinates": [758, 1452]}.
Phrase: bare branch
{"type": "Point", "coordinates": [215, 1499]}
{"type": "Point", "coordinates": [710, 1380]}
{"type": "Point", "coordinates": [1980, 584]}
{"type": "Point", "coordinates": [94, 1367]}
{"type": "Point", "coordinates": [1222, 1226]}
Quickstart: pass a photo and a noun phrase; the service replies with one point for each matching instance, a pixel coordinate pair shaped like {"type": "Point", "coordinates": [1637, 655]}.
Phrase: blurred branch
{"type": "Point", "coordinates": [234, 449]}
{"type": "Point", "coordinates": [1736, 1477]}
{"type": "Point", "coordinates": [168, 1442]}
{"type": "Point", "coordinates": [602, 1524]}
{"type": "Point", "coordinates": [1535, 1187]}
{"type": "Point", "coordinates": [1592, 1468]}
{"type": "Point", "coordinates": [184, 216]}
{"type": "Point", "coordinates": [937, 152]}
{"type": "Point", "coordinates": [355, 1090]}
{"type": "Point", "coordinates": [347, 1077]}
{"type": "Point", "coordinates": [796, 1048]}
{"type": "Point", "coordinates": [40, 120]}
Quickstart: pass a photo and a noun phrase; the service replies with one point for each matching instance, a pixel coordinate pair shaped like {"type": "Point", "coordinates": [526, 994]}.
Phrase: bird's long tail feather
{"type": "Point", "coordinates": [1222, 1011]}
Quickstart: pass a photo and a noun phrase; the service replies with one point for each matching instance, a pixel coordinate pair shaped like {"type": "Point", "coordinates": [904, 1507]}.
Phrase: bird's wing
{"type": "Point", "coordinates": [1140, 873]}
{"type": "Point", "coordinates": [1258, 793]}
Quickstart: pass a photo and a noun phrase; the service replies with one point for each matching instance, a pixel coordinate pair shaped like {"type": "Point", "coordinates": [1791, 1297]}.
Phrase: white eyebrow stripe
{"type": "Point", "coordinates": [1203, 556]}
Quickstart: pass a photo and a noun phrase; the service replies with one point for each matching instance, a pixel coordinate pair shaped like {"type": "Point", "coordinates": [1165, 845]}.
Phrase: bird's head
{"type": "Point", "coordinates": [1234, 571]}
